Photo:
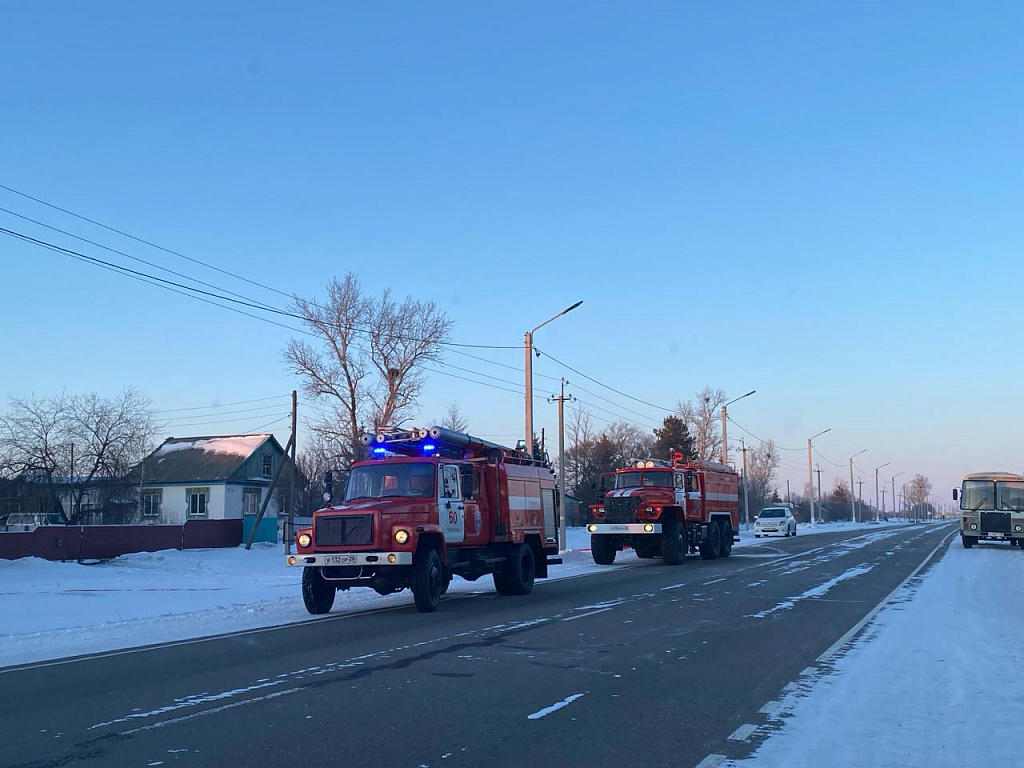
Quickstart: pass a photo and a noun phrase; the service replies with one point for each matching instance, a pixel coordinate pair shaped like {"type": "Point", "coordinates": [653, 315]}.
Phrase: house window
{"type": "Point", "coordinates": [250, 501]}
{"type": "Point", "coordinates": [198, 500]}
{"type": "Point", "coordinates": [268, 464]}
{"type": "Point", "coordinates": [151, 500]}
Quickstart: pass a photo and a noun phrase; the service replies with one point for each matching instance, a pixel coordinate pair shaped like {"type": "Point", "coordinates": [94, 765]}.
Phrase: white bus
{"type": "Point", "coordinates": [991, 508]}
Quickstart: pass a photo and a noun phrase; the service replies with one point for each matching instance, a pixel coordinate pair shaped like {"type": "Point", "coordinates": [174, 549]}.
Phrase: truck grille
{"type": "Point", "coordinates": [621, 509]}
{"type": "Point", "coordinates": [995, 522]}
{"type": "Point", "coordinates": [347, 529]}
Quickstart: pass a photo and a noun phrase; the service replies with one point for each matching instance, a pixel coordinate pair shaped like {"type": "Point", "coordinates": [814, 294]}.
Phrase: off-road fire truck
{"type": "Point", "coordinates": [431, 504]}
{"type": "Point", "coordinates": [667, 509]}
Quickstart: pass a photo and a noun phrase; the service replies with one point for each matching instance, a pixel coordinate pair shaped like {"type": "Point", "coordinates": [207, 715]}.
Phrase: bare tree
{"type": "Point", "coordinates": [702, 420]}
{"type": "Point", "coordinates": [919, 489]}
{"type": "Point", "coordinates": [108, 436]}
{"type": "Point", "coordinates": [453, 419]}
{"type": "Point", "coordinates": [368, 362]}
{"type": "Point", "coordinates": [317, 457]}
{"type": "Point", "coordinates": [762, 466]}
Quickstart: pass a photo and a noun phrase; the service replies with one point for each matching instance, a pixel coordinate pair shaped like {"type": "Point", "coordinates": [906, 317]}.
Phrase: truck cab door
{"type": "Point", "coordinates": [450, 507]}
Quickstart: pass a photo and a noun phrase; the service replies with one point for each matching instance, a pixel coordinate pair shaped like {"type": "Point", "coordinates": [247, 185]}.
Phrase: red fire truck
{"type": "Point", "coordinates": [431, 504]}
{"type": "Point", "coordinates": [668, 509]}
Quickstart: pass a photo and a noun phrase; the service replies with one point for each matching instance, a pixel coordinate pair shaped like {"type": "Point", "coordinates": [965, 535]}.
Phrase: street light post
{"type": "Point", "coordinates": [853, 500]}
{"type": "Point", "coordinates": [894, 493]}
{"type": "Point", "coordinates": [810, 470]}
{"type": "Point", "coordinates": [528, 349]}
{"type": "Point", "coordinates": [725, 430]}
{"type": "Point", "coordinates": [876, 487]}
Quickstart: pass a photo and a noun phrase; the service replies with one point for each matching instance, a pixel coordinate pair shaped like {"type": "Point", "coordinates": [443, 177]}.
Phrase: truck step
{"type": "Point", "coordinates": [554, 561]}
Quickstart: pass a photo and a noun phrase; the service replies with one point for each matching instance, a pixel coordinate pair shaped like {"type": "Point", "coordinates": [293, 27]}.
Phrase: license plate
{"type": "Point", "coordinates": [339, 559]}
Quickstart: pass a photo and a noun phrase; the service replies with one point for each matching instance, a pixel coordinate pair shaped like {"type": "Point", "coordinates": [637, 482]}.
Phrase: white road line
{"type": "Point", "coordinates": [770, 708]}
{"type": "Point", "coordinates": [743, 733]}
{"type": "Point", "coordinates": [856, 628]}
{"type": "Point", "coordinates": [713, 581]}
{"type": "Point", "coordinates": [711, 761]}
{"type": "Point", "coordinates": [554, 707]}
{"type": "Point", "coordinates": [589, 613]}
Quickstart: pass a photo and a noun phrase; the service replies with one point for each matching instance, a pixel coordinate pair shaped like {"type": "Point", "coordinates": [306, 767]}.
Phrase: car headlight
{"type": "Point", "coordinates": [401, 536]}
{"type": "Point", "coordinates": [305, 540]}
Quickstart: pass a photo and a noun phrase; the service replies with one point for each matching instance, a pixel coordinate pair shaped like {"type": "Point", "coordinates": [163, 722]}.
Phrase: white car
{"type": "Point", "coordinates": [775, 521]}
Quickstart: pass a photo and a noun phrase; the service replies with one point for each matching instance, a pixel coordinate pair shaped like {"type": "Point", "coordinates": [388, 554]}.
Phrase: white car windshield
{"type": "Point", "coordinates": [765, 513]}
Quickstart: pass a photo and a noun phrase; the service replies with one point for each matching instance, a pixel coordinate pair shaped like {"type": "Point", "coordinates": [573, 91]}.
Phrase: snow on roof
{"type": "Point", "coordinates": [242, 446]}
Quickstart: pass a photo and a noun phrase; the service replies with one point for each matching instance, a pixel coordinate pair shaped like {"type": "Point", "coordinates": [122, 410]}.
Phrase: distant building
{"type": "Point", "coordinates": [219, 477]}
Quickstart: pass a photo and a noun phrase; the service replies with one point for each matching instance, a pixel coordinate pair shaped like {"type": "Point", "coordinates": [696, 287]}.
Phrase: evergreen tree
{"type": "Point", "coordinates": [673, 435]}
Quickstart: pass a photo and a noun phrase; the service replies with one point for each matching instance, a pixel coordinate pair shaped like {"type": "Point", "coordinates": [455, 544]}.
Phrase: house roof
{"type": "Point", "coordinates": [202, 459]}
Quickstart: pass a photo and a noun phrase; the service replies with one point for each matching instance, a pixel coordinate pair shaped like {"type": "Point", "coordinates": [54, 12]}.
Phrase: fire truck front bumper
{"type": "Point", "coordinates": [621, 528]}
{"type": "Point", "coordinates": [351, 558]}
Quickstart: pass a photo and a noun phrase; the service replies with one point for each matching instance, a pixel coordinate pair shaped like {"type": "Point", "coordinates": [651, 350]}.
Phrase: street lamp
{"type": "Point", "coordinates": [876, 487]}
{"type": "Point", "coordinates": [528, 344]}
{"type": "Point", "coordinates": [853, 501]}
{"type": "Point", "coordinates": [725, 435]}
{"type": "Point", "coordinates": [810, 470]}
{"type": "Point", "coordinates": [894, 493]}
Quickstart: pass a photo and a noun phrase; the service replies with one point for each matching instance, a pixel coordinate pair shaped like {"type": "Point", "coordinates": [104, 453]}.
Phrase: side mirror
{"type": "Point", "coordinates": [955, 492]}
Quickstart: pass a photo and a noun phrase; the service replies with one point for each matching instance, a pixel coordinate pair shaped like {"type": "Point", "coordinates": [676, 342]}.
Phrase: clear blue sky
{"type": "Point", "coordinates": [823, 204]}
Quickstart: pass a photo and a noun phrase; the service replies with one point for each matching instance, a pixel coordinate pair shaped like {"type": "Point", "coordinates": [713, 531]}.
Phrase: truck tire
{"type": "Point", "coordinates": [673, 543]}
{"type": "Point", "coordinates": [427, 580]}
{"type": "Point", "coordinates": [603, 549]}
{"type": "Point", "coordinates": [726, 538]}
{"type": "Point", "coordinates": [647, 548]}
{"type": "Point", "coordinates": [517, 573]}
{"type": "Point", "coordinates": [968, 541]}
{"type": "Point", "coordinates": [317, 592]}
{"type": "Point", "coordinates": [711, 547]}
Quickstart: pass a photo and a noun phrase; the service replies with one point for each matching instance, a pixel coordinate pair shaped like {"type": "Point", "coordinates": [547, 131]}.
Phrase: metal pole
{"type": "Point", "coordinates": [71, 487]}
{"type": "Point", "coordinates": [528, 347]}
{"type": "Point", "coordinates": [876, 493]}
{"type": "Point", "coordinates": [290, 520]}
{"type": "Point", "coordinates": [810, 480]}
{"type": "Point", "coordinates": [562, 536]}
{"type": "Point", "coordinates": [725, 439]}
{"type": "Point", "coordinates": [893, 497]}
{"type": "Point", "coordinates": [883, 500]}
{"type": "Point", "coordinates": [853, 503]}
{"type": "Point", "coordinates": [746, 489]}
{"type": "Point", "coordinates": [860, 499]}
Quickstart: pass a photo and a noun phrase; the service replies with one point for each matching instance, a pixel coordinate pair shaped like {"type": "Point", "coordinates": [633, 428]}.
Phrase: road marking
{"type": "Point", "coordinates": [770, 708]}
{"type": "Point", "coordinates": [743, 733]}
{"type": "Point", "coordinates": [554, 707]}
{"type": "Point", "coordinates": [713, 581]}
{"type": "Point", "coordinates": [589, 613]}
{"type": "Point", "coordinates": [711, 761]}
{"type": "Point", "coordinates": [856, 628]}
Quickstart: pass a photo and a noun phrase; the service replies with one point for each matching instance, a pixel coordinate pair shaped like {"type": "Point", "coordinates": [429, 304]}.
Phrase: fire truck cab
{"type": "Point", "coordinates": [430, 505]}
{"type": "Point", "coordinates": [667, 509]}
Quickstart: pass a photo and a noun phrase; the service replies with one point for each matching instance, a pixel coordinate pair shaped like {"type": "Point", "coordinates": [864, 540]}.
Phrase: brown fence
{"type": "Point", "coordinates": [100, 542]}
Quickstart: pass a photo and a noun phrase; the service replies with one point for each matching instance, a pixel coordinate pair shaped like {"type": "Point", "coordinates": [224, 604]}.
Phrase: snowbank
{"type": "Point", "coordinates": [935, 681]}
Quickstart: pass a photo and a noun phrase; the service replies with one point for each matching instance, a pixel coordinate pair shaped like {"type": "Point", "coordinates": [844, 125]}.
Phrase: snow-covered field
{"type": "Point", "coordinates": [936, 680]}
{"type": "Point", "coordinates": [52, 610]}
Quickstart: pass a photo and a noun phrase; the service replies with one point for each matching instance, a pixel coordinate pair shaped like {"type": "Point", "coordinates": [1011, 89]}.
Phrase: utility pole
{"type": "Point", "coordinates": [561, 463]}
{"type": "Point", "coordinates": [853, 503]}
{"type": "Point", "coordinates": [528, 350]}
{"type": "Point", "coordinates": [746, 488]}
{"type": "Point", "coordinates": [290, 520]}
{"type": "Point", "coordinates": [883, 500]}
{"type": "Point", "coordinates": [71, 487]}
{"type": "Point", "coordinates": [788, 496]}
{"type": "Point", "coordinates": [876, 487]}
{"type": "Point", "coordinates": [817, 468]}
{"type": "Point", "coordinates": [860, 498]}
{"type": "Point", "coordinates": [893, 497]}
{"type": "Point", "coordinates": [725, 432]}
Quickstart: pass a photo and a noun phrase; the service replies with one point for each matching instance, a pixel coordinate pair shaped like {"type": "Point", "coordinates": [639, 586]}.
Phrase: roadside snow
{"type": "Point", "coordinates": [935, 681]}
{"type": "Point", "coordinates": [52, 610]}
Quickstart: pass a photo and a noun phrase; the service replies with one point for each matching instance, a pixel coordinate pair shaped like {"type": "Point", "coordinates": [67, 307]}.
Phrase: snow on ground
{"type": "Point", "coordinates": [935, 680]}
{"type": "Point", "coordinates": [51, 610]}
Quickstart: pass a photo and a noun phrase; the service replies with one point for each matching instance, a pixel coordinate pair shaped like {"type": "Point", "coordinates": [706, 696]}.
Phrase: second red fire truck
{"type": "Point", "coordinates": [667, 509]}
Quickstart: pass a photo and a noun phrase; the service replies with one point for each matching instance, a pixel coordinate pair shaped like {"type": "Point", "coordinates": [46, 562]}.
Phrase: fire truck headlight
{"type": "Point", "coordinates": [305, 540]}
{"type": "Point", "coordinates": [648, 527]}
{"type": "Point", "coordinates": [392, 559]}
{"type": "Point", "coordinates": [401, 536]}
{"type": "Point", "coordinates": [592, 528]}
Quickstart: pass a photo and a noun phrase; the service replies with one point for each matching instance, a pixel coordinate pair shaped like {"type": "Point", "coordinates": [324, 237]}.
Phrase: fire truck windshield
{"type": "Point", "coordinates": [377, 481]}
{"type": "Point", "coordinates": [645, 479]}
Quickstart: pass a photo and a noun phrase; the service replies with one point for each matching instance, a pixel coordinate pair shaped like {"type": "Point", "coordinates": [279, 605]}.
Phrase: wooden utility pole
{"type": "Point", "coordinates": [289, 521]}
{"type": "Point", "coordinates": [561, 464]}
{"type": "Point", "coordinates": [270, 493]}
{"type": "Point", "coordinates": [746, 487]}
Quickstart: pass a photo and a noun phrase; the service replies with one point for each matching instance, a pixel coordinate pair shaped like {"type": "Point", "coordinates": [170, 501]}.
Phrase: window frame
{"type": "Point", "coordinates": [248, 491]}
{"type": "Point", "coordinates": [266, 471]}
{"type": "Point", "coordinates": [197, 491]}
{"type": "Point", "coordinates": [158, 493]}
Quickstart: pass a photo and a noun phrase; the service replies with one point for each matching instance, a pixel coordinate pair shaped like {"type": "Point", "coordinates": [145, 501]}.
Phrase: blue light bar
{"type": "Point", "coordinates": [380, 451]}
{"type": "Point", "coordinates": [429, 447]}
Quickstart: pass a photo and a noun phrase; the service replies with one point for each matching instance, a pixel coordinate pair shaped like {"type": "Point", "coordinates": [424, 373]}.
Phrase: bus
{"type": "Point", "coordinates": [991, 508]}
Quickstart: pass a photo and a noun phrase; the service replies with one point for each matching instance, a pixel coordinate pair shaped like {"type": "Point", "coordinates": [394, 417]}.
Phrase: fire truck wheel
{"type": "Point", "coordinates": [427, 580]}
{"type": "Point", "coordinates": [726, 539]}
{"type": "Point", "coordinates": [673, 543]}
{"type": "Point", "coordinates": [646, 549]}
{"type": "Point", "coordinates": [447, 581]}
{"type": "Point", "coordinates": [968, 541]}
{"type": "Point", "coordinates": [603, 549]}
{"type": "Point", "coordinates": [317, 592]}
{"type": "Point", "coordinates": [517, 572]}
{"type": "Point", "coordinates": [711, 547]}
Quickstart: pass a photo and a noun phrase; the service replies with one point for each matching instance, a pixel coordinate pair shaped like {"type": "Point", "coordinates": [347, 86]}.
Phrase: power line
{"type": "Point", "coordinates": [609, 388]}
{"type": "Point", "coordinates": [222, 405]}
{"type": "Point", "coordinates": [760, 439]}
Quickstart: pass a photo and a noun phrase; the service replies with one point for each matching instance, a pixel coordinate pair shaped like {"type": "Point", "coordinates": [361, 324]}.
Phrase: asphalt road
{"type": "Point", "coordinates": [637, 665]}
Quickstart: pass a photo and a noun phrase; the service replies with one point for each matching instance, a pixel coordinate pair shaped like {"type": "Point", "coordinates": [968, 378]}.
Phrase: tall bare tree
{"type": "Point", "coordinates": [762, 467]}
{"type": "Point", "coordinates": [108, 436]}
{"type": "Point", "coordinates": [919, 489]}
{"type": "Point", "coordinates": [368, 358]}
{"type": "Point", "coordinates": [703, 422]}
